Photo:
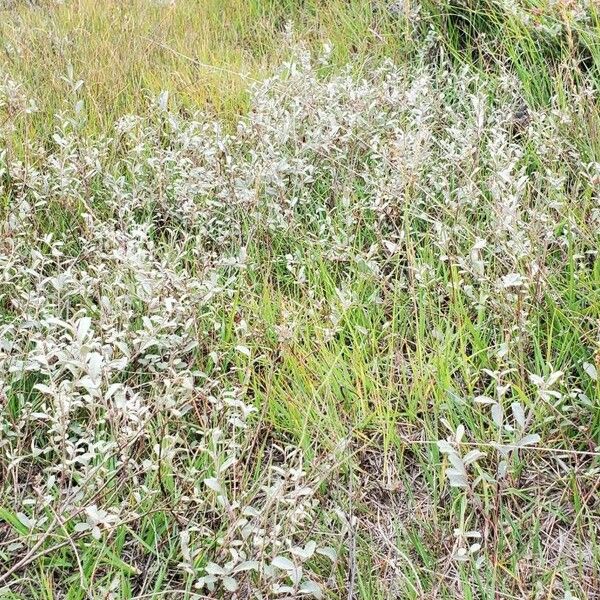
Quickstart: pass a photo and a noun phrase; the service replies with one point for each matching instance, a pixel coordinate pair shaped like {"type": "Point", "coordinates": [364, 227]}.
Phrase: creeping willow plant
{"type": "Point", "coordinates": [130, 363]}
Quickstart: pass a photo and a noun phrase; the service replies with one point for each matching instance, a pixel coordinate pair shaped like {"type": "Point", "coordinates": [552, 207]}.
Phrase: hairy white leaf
{"type": "Point", "coordinates": [457, 478]}
{"type": "Point", "coordinates": [312, 588]}
{"type": "Point", "coordinates": [230, 584]}
{"type": "Point", "coordinates": [591, 371]}
{"type": "Point", "coordinates": [327, 551]}
{"type": "Point", "coordinates": [446, 447]}
{"type": "Point", "coordinates": [528, 440]}
{"type": "Point", "coordinates": [518, 414]}
{"type": "Point", "coordinates": [472, 456]}
{"type": "Point", "coordinates": [281, 562]}
{"type": "Point", "coordinates": [497, 415]}
{"type": "Point", "coordinates": [213, 484]}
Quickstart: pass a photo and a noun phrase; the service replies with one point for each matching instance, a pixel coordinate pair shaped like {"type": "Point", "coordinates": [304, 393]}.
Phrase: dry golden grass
{"type": "Point", "coordinates": [201, 52]}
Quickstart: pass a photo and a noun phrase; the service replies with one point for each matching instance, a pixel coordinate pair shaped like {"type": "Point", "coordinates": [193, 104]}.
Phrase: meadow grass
{"type": "Point", "coordinates": [256, 340]}
{"type": "Point", "coordinates": [202, 52]}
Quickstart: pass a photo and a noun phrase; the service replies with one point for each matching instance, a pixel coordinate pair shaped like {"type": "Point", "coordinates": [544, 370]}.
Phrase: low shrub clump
{"type": "Point", "coordinates": [348, 345]}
